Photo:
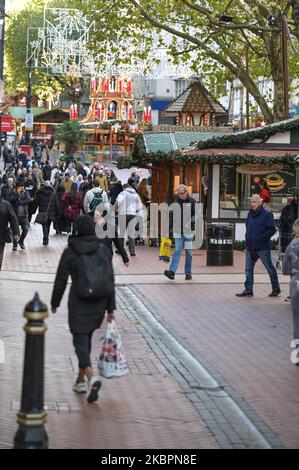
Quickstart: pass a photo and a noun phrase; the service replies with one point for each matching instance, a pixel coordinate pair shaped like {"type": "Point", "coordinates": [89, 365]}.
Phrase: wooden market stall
{"type": "Point", "coordinates": [224, 171]}
{"type": "Point", "coordinates": [196, 107]}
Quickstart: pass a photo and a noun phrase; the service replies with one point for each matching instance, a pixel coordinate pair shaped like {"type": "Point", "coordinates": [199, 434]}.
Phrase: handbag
{"type": "Point", "coordinates": [112, 361]}
{"type": "Point", "coordinates": [42, 217]}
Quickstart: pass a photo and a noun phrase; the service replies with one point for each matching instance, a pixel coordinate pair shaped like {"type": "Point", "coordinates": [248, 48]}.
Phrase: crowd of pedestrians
{"type": "Point", "coordinates": [76, 199]}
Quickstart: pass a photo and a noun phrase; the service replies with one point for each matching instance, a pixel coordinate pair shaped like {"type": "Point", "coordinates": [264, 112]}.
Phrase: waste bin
{"type": "Point", "coordinates": [220, 246]}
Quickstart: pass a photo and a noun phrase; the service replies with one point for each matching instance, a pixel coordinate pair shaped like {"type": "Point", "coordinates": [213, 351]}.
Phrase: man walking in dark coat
{"type": "Point", "coordinates": [20, 200]}
{"type": "Point", "coordinates": [46, 201]}
{"type": "Point", "coordinates": [85, 315]}
{"type": "Point", "coordinates": [7, 217]}
{"type": "Point", "coordinates": [184, 234]}
{"type": "Point", "coordinates": [47, 170]}
{"type": "Point", "coordinates": [260, 227]}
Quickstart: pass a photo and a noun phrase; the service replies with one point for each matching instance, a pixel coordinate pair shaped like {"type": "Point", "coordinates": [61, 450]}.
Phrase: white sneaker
{"type": "Point", "coordinates": [94, 387]}
{"type": "Point", "coordinates": [80, 387]}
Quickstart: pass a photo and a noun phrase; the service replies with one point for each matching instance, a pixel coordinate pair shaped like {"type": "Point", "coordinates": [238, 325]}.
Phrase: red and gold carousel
{"type": "Point", "coordinates": [110, 123]}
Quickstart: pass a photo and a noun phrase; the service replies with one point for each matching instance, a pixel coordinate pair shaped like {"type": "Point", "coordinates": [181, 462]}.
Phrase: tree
{"type": "Point", "coordinates": [71, 134]}
{"type": "Point", "coordinates": [45, 86]}
{"type": "Point", "coordinates": [213, 33]}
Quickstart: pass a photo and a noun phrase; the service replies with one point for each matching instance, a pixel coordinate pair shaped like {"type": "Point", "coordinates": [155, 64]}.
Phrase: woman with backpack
{"type": "Point", "coordinates": [73, 204]}
{"type": "Point", "coordinates": [92, 293]}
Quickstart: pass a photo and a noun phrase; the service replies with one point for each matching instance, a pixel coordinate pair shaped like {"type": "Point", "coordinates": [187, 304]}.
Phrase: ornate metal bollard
{"type": "Point", "coordinates": [31, 433]}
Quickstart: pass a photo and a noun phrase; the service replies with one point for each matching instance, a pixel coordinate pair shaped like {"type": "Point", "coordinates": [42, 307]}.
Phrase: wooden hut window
{"type": "Point", "coordinates": [235, 190]}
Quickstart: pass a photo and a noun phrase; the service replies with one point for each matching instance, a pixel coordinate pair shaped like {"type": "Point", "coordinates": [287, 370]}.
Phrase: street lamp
{"type": "Point", "coordinates": [2, 28]}
{"type": "Point", "coordinates": [29, 96]}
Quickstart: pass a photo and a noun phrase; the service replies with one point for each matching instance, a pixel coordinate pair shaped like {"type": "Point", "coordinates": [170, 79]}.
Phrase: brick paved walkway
{"type": "Point", "coordinates": [244, 342]}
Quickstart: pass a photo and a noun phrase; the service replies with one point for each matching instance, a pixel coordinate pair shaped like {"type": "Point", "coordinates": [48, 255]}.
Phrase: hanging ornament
{"type": "Point", "coordinates": [149, 114]}
{"type": "Point", "coordinates": [124, 111]}
{"type": "Point", "coordinates": [100, 111]}
{"type": "Point", "coordinates": [111, 110]}
{"type": "Point", "coordinates": [76, 114]}
{"type": "Point", "coordinates": [144, 114]}
{"type": "Point", "coordinates": [130, 112]}
{"type": "Point", "coordinates": [129, 86]}
{"type": "Point", "coordinates": [71, 112]}
{"type": "Point", "coordinates": [93, 85]}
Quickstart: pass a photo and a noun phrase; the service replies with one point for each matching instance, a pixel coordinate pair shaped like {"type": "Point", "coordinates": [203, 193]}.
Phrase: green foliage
{"type": "Point", "coordinates": [16, 71]}
{"type": "Point", "coordinates": [71, 134]}
{"type": "Point", "coordinates": [216, 49]}
{"type": "Point", "coordinates": [125, 162]}
{"type": "Point", "coordinates": [244, 137]}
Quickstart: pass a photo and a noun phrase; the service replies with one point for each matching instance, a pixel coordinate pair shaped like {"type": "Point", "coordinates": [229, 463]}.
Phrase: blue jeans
{"type": "Point", "coordinates": [265, 257]}
{"type": "Point", "coordinates": [179, 244]}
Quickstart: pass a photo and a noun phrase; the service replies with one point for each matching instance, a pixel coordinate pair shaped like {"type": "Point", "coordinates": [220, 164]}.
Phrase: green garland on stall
{"type": "Point", "coordinates": [231, 159]}
{"type": "Point", "coordinates": [244, 137]}
{"type": "Point", "coordinates": [140, 157]}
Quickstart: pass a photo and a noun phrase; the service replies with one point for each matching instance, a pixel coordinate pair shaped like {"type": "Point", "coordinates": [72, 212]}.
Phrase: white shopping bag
{"type": "Point", "coordinates": [112, 361]}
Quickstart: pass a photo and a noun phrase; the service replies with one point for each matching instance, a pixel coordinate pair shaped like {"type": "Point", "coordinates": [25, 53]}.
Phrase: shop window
{"type": "Point", "coordinates": [236, 188]}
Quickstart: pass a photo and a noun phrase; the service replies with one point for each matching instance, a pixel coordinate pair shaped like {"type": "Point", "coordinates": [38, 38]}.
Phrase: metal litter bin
{"type": "Point", "coordinates": [220, 245]}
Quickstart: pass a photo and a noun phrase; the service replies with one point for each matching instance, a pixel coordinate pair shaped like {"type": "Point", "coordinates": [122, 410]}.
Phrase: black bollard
{"type": "Point", "coordinates": [31, 433]}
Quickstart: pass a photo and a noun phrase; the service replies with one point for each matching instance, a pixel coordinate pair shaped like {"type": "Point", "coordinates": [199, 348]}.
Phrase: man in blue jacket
{"type": "Point", "coordinates": [260, 227]}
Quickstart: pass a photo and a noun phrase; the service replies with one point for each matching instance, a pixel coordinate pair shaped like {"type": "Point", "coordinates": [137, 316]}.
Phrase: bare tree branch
{"type": "Point", "coordinates": [231, 64]}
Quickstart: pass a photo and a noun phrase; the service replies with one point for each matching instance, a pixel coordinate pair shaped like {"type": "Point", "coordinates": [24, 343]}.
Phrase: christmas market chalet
{"type": "Point", "coordinates": [222, 170]}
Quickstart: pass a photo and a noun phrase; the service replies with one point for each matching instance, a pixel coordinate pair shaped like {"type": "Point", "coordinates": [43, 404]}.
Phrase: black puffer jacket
{"type": "Point", "coordinates": [7, 216]}
{"type": "Point", "coordinates": [84, 315]}
{"type": "Point", "coordinates": [43, 196]}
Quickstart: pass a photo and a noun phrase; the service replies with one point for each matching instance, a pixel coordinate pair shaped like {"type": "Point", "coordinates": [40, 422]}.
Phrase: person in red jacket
{"type": "Point", "coordinates": [265, 193]}
{"type": "Point", "coordinates": [73, 204]}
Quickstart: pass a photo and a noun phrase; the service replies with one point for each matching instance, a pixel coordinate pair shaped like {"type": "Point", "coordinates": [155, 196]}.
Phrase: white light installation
{"type": "Point", "coordinates": [60, 46]}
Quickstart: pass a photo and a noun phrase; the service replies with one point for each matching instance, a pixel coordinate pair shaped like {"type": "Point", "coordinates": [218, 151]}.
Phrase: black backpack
{"type": "Point", "coordinates": [94, 279]}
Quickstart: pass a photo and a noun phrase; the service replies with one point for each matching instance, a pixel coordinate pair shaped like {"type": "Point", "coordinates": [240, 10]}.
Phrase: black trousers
{"type": "Point", "coordinates": [24, 224]}
{"type": "Point", "coordinates": [2, 246]}
{"type": "Point", "coordinates": [82, 344]}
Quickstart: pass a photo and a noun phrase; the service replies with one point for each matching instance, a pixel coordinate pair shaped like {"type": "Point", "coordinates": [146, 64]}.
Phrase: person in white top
{"type": "Point", "coordinates": [128, 204]}
{"type": "Point", "coordinates": [94, 197]}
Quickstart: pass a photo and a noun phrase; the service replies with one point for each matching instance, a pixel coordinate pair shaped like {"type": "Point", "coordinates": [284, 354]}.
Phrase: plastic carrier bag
{"type": "Point", "coordinates": [112, 361]}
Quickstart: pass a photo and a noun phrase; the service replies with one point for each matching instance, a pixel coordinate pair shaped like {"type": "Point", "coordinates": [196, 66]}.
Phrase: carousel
{"type": "Point", "coordinates": [110, 124]}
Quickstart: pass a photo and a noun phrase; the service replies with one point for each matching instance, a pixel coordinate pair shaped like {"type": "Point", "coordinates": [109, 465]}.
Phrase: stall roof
{"type": "Point", "coordinates": [52, 116]}
{"type": "Point", "coordinates": [169, 141]}
{"type": "Point", "coordinates": [195, 99]}
{"type": "Point", "coordinates": [247, 136]}
{"type": "Point", "coordinates": [19, 112]}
